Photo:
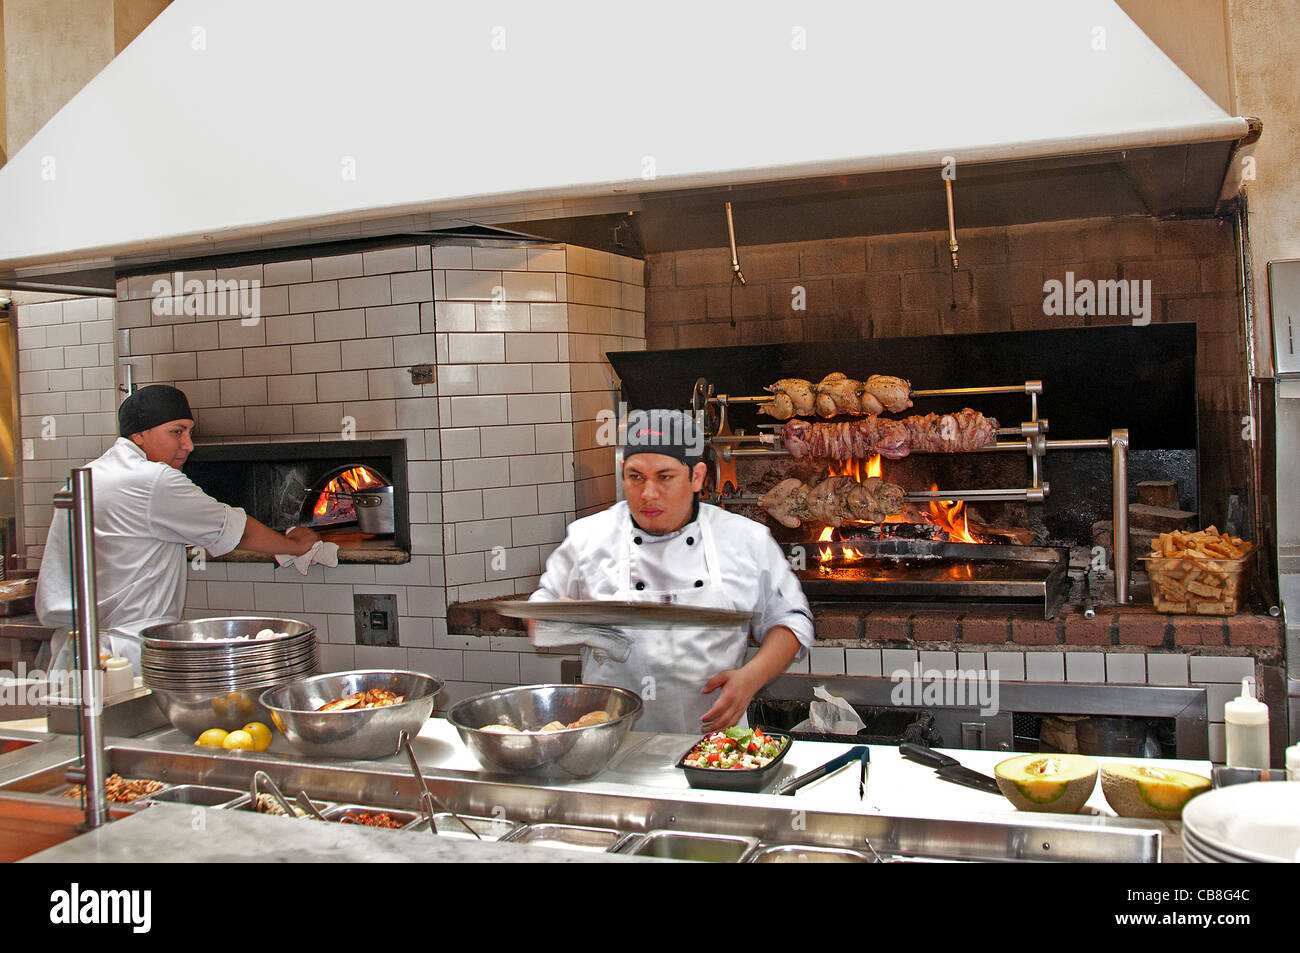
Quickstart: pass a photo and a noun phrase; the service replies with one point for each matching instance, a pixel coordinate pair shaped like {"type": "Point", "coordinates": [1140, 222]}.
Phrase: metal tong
{"type": "Point", "coordinates": [427, 801]}
{"type": "Point", "coordinates": [860, 753]}
{"type": "Point", "coordinates": [272, 790]}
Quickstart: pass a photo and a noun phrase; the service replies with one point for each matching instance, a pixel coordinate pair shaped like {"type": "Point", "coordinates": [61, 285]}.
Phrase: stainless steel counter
{"type": "Point", "coordinates": [640, 792]}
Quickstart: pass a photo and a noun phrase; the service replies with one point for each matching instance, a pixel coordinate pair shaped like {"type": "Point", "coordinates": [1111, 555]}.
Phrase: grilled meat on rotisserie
{"type": "Point", "coordinates": [951, 433]}
{"type": "Point", "coordinates": [837, 394]}
{"type": "Point", "coordinates": [794, 397]}
{"type": "Point", "coordinates": [894, 393]}
{"type": "Point", "coordinates": [891, 439]}
{"type": "Point", "coordinates": [833, 501]}
{"type": "Point", "coordinates": [847, 440]}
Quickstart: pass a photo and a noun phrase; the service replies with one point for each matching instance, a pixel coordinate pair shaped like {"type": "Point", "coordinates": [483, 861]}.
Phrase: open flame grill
{"type": "Point", "coordinates": [330, 502]}
{"type": "Point", "coordinates": [932, 550]}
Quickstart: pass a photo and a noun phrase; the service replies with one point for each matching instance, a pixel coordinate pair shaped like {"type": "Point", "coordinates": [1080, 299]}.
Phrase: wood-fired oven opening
{"type": "Point", "coordinates": [331, 501]}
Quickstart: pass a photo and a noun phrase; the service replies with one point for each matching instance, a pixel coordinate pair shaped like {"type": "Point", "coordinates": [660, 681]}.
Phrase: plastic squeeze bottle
{"type": "Point", "coordinates": [1246, 728]}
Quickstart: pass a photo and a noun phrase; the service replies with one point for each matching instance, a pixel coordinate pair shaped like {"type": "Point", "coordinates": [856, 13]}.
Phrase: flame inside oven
{"type": "Point", "coordinates": [951, 516]}
{"type": "Point", "coordinates": [334, 504]}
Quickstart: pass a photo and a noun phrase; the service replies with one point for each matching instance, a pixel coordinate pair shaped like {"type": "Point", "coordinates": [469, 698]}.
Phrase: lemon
{"type": "Point", "coordinates": [239, 740]}
{"type": "Point", "coordinates": [213, 738]}
{"type": "Point", "coordinates": [261, 735]}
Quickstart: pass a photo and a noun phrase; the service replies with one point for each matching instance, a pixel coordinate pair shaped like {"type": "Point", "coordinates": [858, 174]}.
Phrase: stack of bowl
{"type": "Point", "coordinates": [210, 673]}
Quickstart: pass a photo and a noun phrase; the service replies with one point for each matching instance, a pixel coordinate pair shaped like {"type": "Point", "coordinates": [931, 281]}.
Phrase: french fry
{"type": "Point", "coordinates": [1199, 573]}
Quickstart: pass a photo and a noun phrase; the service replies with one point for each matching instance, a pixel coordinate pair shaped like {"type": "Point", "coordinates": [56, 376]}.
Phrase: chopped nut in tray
{"type": "Point", "coordinates": [1199, 573]}
{"type": "Point", "coordinates": [121, 790]}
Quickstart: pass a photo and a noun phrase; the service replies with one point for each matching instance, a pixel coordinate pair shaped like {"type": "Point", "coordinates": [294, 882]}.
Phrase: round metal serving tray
{"type": "Point", "coordinates": [221, 632]}
{"type": "Point", "coordinates": [628, 614]}
{"type": "Point", "coordinates": [243, 675]}
{"type": "Point", "coordinates": [151, 662]}
{"type": "Point", "coordinates": [226, 684]}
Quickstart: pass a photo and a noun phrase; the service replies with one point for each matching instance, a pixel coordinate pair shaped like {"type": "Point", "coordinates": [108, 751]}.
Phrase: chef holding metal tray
{"type": "Point", "coordinates": [681, 583]}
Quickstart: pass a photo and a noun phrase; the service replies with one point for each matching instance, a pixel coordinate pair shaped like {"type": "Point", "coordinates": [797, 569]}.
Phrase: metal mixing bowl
{"type": "Point", "coordinates": [220, 634]}
{"type": "Point", "coordinates": [356, 734]}
{"type": "Point", "coordinates": [571, 753]}
{"type": "Point", "coordinates": [202, 676]}
{"type": "Point", "coordinates": [194, 712]}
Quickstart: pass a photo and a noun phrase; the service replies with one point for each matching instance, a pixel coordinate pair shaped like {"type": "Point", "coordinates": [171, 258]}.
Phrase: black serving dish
{"type": "Point", "coordinates": [735, 779]}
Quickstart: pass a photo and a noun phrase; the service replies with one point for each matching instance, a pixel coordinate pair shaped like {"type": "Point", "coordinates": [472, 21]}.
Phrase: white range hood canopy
{"type": "Point", "coordinates": [242, 124]}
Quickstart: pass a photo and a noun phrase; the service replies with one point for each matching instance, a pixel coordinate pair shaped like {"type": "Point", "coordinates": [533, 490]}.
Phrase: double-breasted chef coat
{"type": "Point", "coordinates": [718, 559]}
{"type": "Point", "coordinates": [145, 514]}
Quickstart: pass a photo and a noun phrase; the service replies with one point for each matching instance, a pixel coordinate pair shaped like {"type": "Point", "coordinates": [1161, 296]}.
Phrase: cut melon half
{"type": "Point", "coordinates": [1140, 790]}
{"type": "Point", "coordinates": [1059, 783]}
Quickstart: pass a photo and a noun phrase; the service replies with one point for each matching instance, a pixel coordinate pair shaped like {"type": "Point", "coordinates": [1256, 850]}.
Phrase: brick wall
{"type": "Point", "coordinates": [903, 285]}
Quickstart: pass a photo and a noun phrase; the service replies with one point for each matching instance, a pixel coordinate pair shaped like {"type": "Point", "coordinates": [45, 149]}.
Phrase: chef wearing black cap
{"type": "Point", "coordinates": [663, 545]}
{"type": "Point", "coordinates": [146, 512]}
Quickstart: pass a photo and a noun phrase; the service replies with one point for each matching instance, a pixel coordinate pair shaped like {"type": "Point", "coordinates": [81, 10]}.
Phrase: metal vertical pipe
{"type": "Point", "coordinates": [83, 576]}
{"type": "Point", "coordinates": [1119, 508]}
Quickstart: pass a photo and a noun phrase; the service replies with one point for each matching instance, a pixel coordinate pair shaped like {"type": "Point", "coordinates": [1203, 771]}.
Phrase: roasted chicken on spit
{"type": "Point", "coordinates": [892, 439]}
{"type": "Point", "coordinates": [833, 501]}
{"type": "Point", "coordinates": [837, 394]}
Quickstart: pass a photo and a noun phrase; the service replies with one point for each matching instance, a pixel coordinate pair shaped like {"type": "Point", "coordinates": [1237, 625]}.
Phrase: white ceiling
{"type": "Point", "coordinates": [237, 122]}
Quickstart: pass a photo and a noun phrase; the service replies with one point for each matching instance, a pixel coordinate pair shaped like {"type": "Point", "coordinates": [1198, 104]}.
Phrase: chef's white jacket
{"type": "Point", "coordinates": [145, 514]}
{"type": "Point", "coordinates": [754, 571]}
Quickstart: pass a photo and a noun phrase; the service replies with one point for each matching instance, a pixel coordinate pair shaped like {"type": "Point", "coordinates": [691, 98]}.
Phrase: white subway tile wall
{"type": "Point", "coordinates": [518, 336]}
{"type": "Point", "coordinates": [66, 406]}
{"type": "Point", "coordinates": [524, 378]}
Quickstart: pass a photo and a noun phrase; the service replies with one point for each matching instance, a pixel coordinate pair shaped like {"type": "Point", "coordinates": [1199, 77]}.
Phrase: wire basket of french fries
{"type": "Point", "coordinates": [1203, 573]}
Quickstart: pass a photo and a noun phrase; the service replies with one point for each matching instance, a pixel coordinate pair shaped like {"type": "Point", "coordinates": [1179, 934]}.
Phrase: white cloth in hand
{"type": "Point", "coordinates": [599, 638]}
{"type": "Point", "coordinates": [321, 553]}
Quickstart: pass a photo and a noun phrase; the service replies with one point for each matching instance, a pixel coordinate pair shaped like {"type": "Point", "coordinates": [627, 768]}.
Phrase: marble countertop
{"type": "Point", "coordinates": [179, 833]}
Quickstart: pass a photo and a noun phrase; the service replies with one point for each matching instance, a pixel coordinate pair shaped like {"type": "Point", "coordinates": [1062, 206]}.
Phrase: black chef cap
{"type": "Point", "coordinates": [151, 407]}
{"type": "Point", "coordinates": [669, 432]}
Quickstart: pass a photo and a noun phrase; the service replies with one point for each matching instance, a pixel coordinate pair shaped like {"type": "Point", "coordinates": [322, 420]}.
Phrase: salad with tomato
{"type": "Point", "coordinates": [735, 749]}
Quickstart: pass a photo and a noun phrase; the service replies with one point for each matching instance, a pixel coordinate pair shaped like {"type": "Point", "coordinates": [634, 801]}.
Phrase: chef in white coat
{"type": "Point", "coordinates": [146, 512]}
{"type": "Point", "coordinates": [663, 545]}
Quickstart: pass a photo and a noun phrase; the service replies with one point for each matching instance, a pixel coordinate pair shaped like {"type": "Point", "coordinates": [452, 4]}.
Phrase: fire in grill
{"type": "Point", "coordinates": [331, 504]}
{"type": "Point", "coordinates": [880, 540]}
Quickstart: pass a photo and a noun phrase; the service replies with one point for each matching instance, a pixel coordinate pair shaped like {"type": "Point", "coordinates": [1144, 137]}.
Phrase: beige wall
{"type": "Point", "coordinates": [4, 148]}
{"type": "Point", "coordinates": [52, 48]}
{"type": "Point", "coordinates": [1192, 33]}
{"type": "Point", "coordinates": [1265, 36]}
{"type": "Point", "coordinates": [130, 17]}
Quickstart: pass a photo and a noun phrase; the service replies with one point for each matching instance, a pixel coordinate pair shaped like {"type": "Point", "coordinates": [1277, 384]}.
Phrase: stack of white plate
{"type": "Point", "coordinates": [1257, 822]}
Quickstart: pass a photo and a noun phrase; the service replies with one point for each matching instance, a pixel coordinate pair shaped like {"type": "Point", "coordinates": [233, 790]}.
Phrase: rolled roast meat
{"type": "Point", "coordinates": [965, 430]}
